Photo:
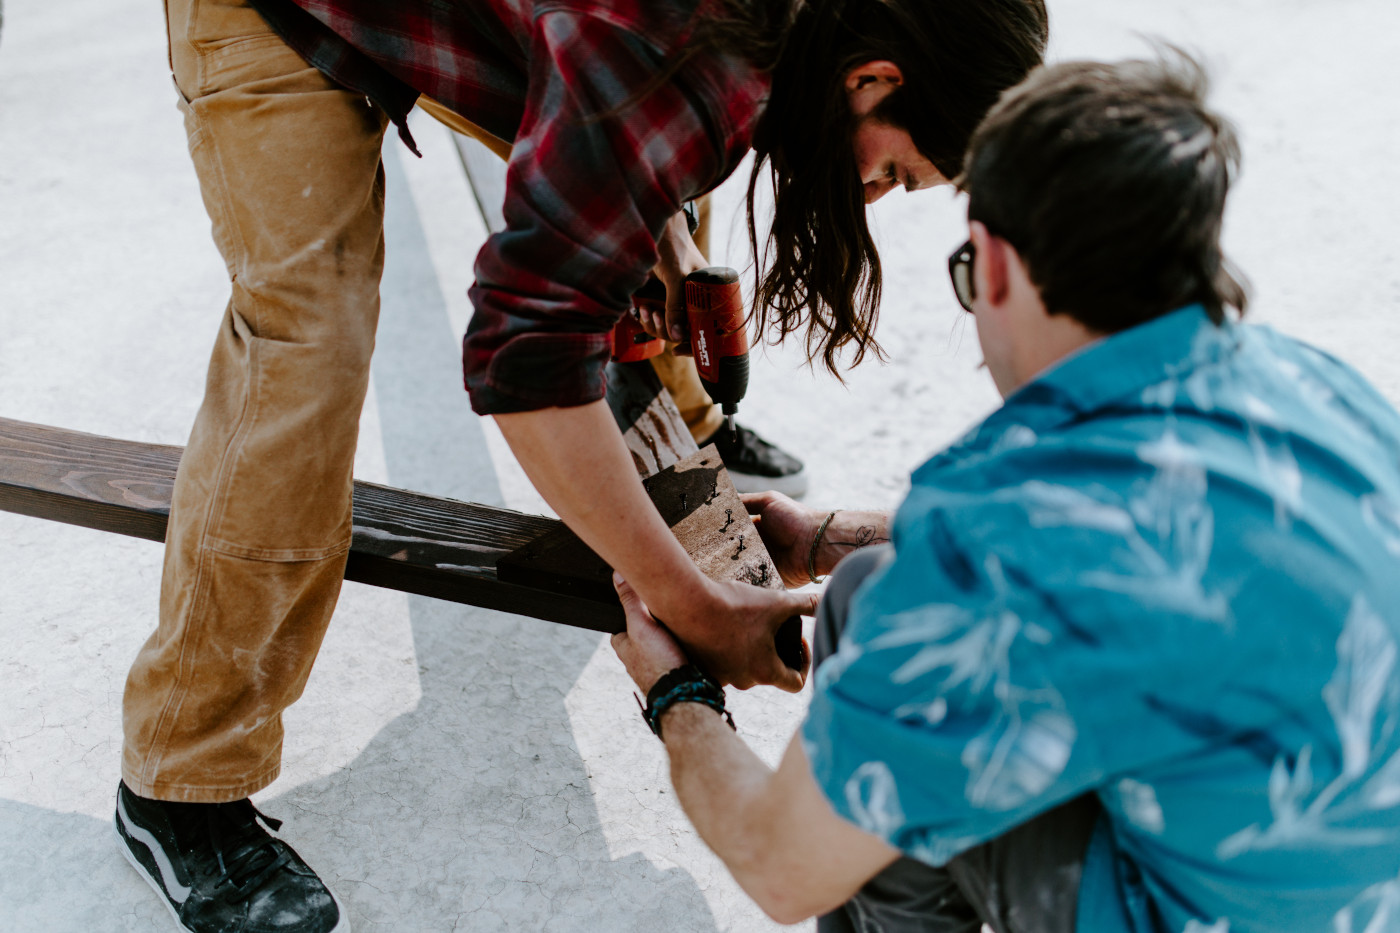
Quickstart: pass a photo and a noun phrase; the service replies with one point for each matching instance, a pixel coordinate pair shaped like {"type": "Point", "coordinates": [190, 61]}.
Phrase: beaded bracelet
{"type": "Point", "coordinates": [685, 684]}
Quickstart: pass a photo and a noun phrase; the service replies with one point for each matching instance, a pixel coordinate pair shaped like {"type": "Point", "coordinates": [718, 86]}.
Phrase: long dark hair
{"type": "Point", "coordinates": [818, 268]}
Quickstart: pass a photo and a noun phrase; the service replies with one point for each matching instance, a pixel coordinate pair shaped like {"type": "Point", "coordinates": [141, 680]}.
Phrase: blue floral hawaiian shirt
{"type": "Point", "coordinates": [1166, 572]}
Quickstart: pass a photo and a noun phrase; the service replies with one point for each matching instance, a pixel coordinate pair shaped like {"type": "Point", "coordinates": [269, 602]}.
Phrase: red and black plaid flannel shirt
{"type": "Point", "coordinates": [591, 183]}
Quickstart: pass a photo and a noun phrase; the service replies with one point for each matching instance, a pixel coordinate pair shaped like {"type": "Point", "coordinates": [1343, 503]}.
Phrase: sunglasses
{"type": "Point", "coordinates": [960, 271]}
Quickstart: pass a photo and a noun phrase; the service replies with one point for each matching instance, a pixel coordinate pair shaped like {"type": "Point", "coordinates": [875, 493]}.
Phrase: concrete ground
{"type": "Point", "coordinates": [455, 769]}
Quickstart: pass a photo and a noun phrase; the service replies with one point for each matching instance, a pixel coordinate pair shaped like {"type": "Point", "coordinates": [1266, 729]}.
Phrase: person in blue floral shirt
{"type": "Point", "coordinates": [1133, 660]}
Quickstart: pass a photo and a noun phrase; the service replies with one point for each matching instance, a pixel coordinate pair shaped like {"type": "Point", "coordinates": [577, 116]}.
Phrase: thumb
{"type": "Point", "coordinates": [788, 678]}
{"type": "Point", "coordinates": [791, 648]}
{"type": "Point", "coordinates": [805, 604]}
{"type": "Point", "coordinates": [755, 502]}
{"type": "Point", "coordinates": [631, 601]}
{"type": "Point", "coordinates": [677, 320]}
{"type": "Point", "coordinates": [790, 681]}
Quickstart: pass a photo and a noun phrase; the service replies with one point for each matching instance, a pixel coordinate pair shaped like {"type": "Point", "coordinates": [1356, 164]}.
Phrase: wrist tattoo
{"type": "Point", "coordinates": [866, 535]}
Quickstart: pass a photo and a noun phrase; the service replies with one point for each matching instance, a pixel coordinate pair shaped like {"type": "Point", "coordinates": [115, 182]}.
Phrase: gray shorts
{"type": "Point", "coordinates": [1025, 881]}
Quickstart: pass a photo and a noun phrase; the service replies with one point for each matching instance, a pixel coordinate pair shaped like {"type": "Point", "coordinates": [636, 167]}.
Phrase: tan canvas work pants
{"type": "Point", "coordinates": [289, 169]}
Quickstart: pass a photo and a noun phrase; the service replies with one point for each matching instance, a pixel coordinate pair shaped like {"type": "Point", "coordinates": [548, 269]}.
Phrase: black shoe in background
{"type": "Point", "coordinates": [756, 465]}
{"type": "Point", "coordinates": [220, 872]}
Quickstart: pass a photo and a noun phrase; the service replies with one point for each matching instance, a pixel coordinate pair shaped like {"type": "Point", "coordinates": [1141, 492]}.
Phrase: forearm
{"type": "Point", "coordinates": [848, 532]}
{"type": "Point", "coordinates": [577, 461]}
{"type": "Point", "coordinates": [722, 786]}
{"type": "Point", "coordinates": [774, 830]}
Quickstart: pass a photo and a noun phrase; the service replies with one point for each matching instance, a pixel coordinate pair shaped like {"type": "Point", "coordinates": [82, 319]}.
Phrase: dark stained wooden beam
{"type": "Point", "coordinates": [698, 502]}
{"type": "Point", "coordinates": [402, 540]}
{"type": "Point", "coordinates": [652, 427]}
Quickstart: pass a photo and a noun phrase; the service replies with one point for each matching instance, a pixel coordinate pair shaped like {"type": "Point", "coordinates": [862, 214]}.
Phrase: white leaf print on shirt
{"type": "Point", "coordinates": [1028, 736]}
{"type": "Point", "coordinates": [916, 626]}
{"type": "Point", "coordinates": [1326, 401]}
{"type": "Point", "coordinates": [873, 799]}
{"type": "Point", "coordinates": [1195, 926]}
{"type": "Point", "coordinates": [1209, 387]}
{"type": "Point", "coordinates": [936, 850]}
{"type": "Point", "coordinates": [1199, 376]}
{"type": "Point", "coordinates": [1382, 516]}
{"type": "Point", "coordinates": [1140, 805]}
{"type": "Point", "coordinates": [1383, 791]}
{"type": "Point", "coordinates": [1016, 437]}
{"type": "Point", "coordinates": [1374, 910]}
{"type": "Point", "coordinates": [1021, 762]}
{"type": "Point", "coordinates": [1278, 469]}
{"type": "Point", "coordinates": [932, 713]}
{"type": "Point", "coordinates": [1166, 527]}
{"type": "Point", "coordinates": [1366, 658]}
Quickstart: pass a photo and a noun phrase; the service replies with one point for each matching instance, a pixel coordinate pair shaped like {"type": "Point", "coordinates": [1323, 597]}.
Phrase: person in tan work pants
{"type": "Point", "coordinates": [260, 519]}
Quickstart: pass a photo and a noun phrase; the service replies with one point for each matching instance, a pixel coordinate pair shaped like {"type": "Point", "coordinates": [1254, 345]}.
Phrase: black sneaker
{"type": "Point", "coordinates": [220, 872]}
{"type": "Point", "coordinates": [756, 465]}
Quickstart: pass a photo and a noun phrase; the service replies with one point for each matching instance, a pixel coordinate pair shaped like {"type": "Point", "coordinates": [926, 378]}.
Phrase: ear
{"type": "Point", "coordinates": [870, 83]}
{"type": "Point", "coordinates": [990, 274]}
{"type": "Point", "coordinates": [882, 72]}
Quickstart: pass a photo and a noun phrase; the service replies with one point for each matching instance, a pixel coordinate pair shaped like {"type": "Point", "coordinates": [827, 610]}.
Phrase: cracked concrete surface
{"type": "Point", "coordinates": [455, 769]}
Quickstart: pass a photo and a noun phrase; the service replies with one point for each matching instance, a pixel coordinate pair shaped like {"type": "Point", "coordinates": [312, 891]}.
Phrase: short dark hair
{"type": "Point", "coordinates": [1110, 181]}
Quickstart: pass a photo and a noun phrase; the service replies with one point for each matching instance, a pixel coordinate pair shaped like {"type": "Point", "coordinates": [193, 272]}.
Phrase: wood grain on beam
{"type": "Point", "coordinates": [402, 540]}
{"type": "Point", "coordinates": [651, 425]}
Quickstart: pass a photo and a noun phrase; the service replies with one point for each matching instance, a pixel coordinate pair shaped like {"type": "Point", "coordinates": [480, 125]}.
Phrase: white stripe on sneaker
{"type": "Point", "coordinates": [176, 891]}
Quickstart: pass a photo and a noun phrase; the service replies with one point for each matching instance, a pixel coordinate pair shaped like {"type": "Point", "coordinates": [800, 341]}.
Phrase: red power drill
{"type": "Point", "coordinates": [714, 305]}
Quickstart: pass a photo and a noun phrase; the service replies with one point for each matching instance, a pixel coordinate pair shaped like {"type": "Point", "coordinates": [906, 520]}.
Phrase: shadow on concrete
{"type": "Point", "coordinates": [473, 812]}
{"type": "Point", "coordinates": [70, 855]}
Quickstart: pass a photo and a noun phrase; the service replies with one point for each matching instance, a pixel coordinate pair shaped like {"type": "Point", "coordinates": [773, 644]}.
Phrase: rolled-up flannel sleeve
{"type": "Point", "coordinates": [593, 178]}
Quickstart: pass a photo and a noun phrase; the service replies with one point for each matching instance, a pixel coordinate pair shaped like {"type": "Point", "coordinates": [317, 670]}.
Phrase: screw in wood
{"type": "Point", "coordinates": [736, 554]}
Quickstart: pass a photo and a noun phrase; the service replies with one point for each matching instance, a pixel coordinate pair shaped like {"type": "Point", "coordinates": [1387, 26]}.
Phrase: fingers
{"type": "Point", "coordinates": [756, 502]}
{"type": "Point", "coordinates": [631, 602]}
{"type": "Point", "coordinates": [789, 680]}
{"type": "Point", "coordinates": [787, 665]}
{"type": "Point", "coordinates": [788, 643]}
{"type": "Point", "coordinates": [798, 604]}
{"type": "Point", "coordinates": [621, 645]}
{"type": "Point", "coordinates": [677, 323]}
{"type": "Point", "coordinates": [640, 624]}
{"type": "Point", "coordinates": [647, 650]}
{"type": "Point", "coordinates": [653, 321]}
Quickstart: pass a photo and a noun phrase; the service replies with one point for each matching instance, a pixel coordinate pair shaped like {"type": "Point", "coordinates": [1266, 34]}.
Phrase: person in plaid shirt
{"type": "Point", "coordinates": [613, 116]}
